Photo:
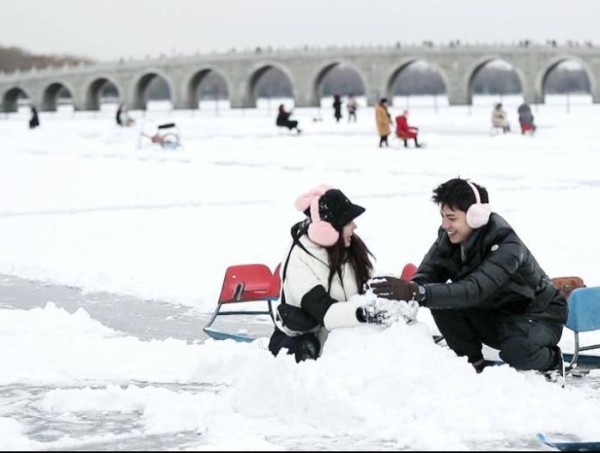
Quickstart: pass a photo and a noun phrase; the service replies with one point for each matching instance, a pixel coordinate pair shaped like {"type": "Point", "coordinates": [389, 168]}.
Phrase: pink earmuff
{"type": "Point", "coordinates": [319, 231]}
{"type": "Point", "coordinates": [478, 213]}
{"type": "Point", "coordinates": [303, 201]}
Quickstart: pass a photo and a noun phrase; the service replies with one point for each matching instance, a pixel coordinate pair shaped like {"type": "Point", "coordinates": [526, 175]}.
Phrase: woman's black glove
{"type": "Point", "coordinates": [396, 288]}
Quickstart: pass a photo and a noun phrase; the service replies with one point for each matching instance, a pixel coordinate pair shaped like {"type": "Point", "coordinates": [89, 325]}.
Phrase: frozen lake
{"type": "Point", "coordinates": [113, 251]}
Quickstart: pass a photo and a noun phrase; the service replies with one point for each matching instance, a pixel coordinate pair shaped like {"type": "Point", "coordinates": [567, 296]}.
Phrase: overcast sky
{"type": "Point", "coordinates": [111, 29]}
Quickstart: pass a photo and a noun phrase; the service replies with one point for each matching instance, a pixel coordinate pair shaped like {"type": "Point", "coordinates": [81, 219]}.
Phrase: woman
{"type": "Point", "coordinates": [500, 119]}
{"type": "Point", "coordinates": [326, 265]}
{"type": "Point", "coordinates": [406, 132]}
{"type": "Point", "coordinates": [383, 120]}
{"type": "Point", "coordinates": [283, 119]}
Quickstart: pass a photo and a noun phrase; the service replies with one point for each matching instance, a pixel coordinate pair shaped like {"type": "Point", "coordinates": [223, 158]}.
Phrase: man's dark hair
{"type": "Point", "coordinates": [457, 194]}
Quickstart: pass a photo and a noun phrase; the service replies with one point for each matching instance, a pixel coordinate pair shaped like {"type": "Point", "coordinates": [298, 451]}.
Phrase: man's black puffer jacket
{"type": "Point", "coordinates": [497, 272]}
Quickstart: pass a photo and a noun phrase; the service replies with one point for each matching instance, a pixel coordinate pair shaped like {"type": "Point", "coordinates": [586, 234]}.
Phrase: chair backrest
{"type": "Point", "coordinates": [408, 271]}
{"type": "Point", "coordinates": [275, 287]}
{"type": "Point", "coordinates": [249, 282]}
{"type": "Point", "coordinates": [567, 284]}
{"type": "Point", "coordinates": [584, 309]}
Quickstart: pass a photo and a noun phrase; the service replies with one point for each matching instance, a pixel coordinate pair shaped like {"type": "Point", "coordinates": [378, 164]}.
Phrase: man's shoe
{"type": "Point", "coordinates": [481, 364]}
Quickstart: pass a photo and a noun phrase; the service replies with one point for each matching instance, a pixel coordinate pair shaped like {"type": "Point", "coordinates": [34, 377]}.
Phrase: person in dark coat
{"type": "Point", "coordinates": [283, 119]}
{"type": "Point", "coordinates": [526, 119]}
{"type": "Point", "coordinates": [337, 107]}
{"type": "Point", "coordinates": [118, 115]}
{"type": "Point", "coordinates": [484, 286]}
{"type": "Point", "coordinates": [122, 117]}
{"type": "Point", "coordinates": [34, 121]}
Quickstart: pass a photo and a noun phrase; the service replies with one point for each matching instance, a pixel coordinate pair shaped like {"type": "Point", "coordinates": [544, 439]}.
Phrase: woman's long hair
{"type": "Point", "coordinates": [357, 254]}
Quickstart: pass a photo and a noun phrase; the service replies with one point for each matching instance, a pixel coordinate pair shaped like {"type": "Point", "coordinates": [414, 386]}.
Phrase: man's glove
{"type": "Point", "coordinates": [374, 313]}
{"type": "Point", "coordinates": [395, 288]}
{"type": "Point", "coordinates": [387, 312]}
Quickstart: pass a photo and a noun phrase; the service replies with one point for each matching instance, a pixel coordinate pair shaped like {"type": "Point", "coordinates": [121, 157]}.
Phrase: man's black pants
{"type": "Point", "coordinates": [525, 343]}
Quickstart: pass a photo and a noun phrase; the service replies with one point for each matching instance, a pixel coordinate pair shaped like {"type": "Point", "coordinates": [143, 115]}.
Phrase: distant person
{"type": "Point", "coordinates": [337, 107]}
{"type": "Point", "coordinates": [118, 115]}
{"type": "Point", "coordinates": [406, 132]}
{"type": "Point", "coordinates": [384, 121]}
{"type": "Point", "coordinates": [122, 117]}
{"type": "Point", "coordinates": [352, 107]}
{"type": "Point", "coordinates": [500, 119]}
{"type": "Point", "coordinates": [283, 119]}
{"type": "Point", "coordinates": [526, 119]}
{"type": "Point", "coordinates": [34, 121]}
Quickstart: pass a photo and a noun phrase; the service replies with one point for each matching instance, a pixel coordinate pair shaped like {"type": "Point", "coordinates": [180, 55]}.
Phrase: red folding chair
{"type": "Point", "coordinates": [245, 283]}
{"type": "Point", "coordinates": [408, 271]}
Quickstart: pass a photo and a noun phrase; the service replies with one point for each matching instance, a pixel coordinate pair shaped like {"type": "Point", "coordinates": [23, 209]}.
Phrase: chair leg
{"type": "Point", "coordinates": [573, 362]}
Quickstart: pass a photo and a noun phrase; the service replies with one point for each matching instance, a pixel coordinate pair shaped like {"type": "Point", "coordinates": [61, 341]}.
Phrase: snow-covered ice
{"type": "Point", "coordinates": [83, 206]}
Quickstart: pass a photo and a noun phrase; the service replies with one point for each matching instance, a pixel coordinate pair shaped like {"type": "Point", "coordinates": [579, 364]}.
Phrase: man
{"type": "Point", "coordinates": [484, 286]}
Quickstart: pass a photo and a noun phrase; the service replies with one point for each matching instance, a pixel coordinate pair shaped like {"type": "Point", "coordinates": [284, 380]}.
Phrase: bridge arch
{"type": "Point", "coordinates": [251, 92]}
{"type": "Point", "coordinates": [51, 94]}
{"type": "Point", "coordinates": [141, 84]}
{"type": "Point", "coordinates": [552, 65]}
{"type": "Point", "coordinates": [472, 73]}
{"type": "Point", "coordinates": [10, 99]}
{"type": "Point", "coordinates": [406, 65]}
{"type": "Point", "coordinates": [321, 73]}
{"type": "Point", "coordinates": [94, 91]}
{"type": "Point", "coordinates": [306, 69]}
{"type": "Point", "coordinates": [194, 81]}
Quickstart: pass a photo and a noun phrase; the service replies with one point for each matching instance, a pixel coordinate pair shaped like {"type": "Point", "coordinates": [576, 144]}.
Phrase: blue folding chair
{"type": "Point", "coordinates": [584, 316]}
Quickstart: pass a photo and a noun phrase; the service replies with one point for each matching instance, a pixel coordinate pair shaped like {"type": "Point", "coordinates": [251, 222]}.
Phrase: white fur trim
{"type": "Point", "coordinates": [341, 314]}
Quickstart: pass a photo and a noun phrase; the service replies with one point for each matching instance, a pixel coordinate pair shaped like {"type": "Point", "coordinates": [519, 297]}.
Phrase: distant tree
{"type": "Point", "coordinates": [13, 58]}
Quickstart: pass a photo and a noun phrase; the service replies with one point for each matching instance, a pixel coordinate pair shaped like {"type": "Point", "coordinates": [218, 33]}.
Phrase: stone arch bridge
{"type": "Point", "coordinates": [378, 68]}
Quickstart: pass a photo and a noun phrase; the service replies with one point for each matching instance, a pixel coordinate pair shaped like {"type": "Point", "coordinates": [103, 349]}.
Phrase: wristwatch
{"type": "Point", "coordinates": [422, 293]}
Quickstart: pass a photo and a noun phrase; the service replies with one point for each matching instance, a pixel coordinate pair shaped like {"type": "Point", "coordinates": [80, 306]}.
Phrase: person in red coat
{"type": "Point", "coordinates": [406, 132]}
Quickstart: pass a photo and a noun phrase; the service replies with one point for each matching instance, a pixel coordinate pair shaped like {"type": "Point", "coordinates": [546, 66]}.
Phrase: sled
{"type": "Point", "coordinates": [245, 283]}
{"type": "Point", "coordinates": [569, 445]}
{"type": "Point", "coordinates": [167, 136]}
